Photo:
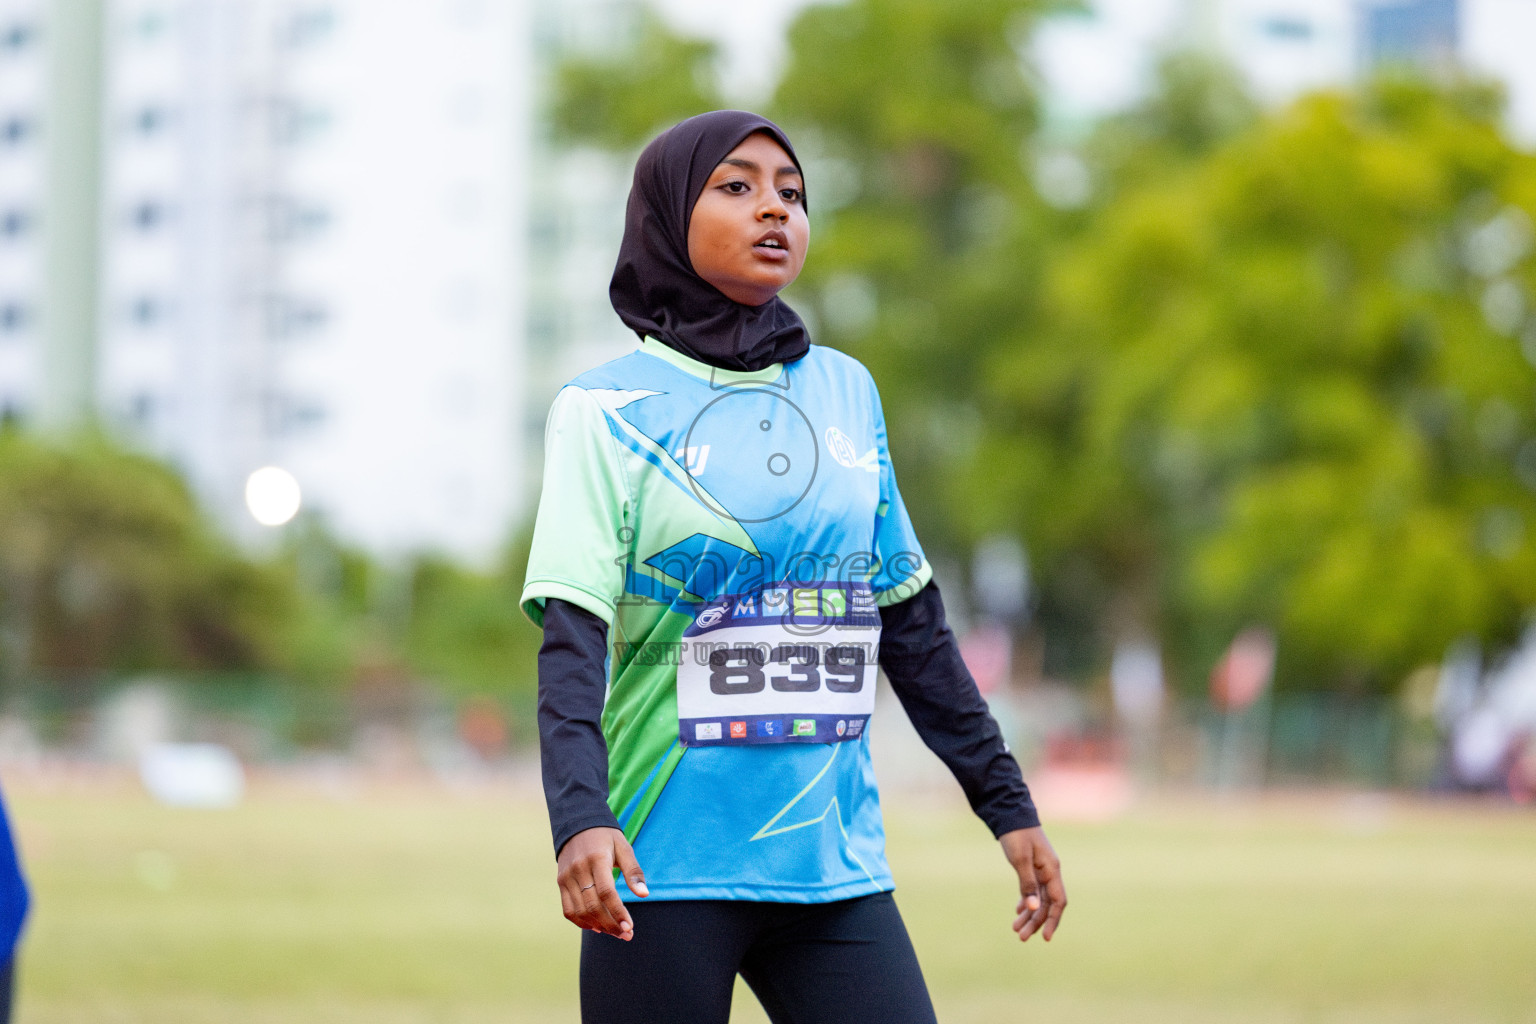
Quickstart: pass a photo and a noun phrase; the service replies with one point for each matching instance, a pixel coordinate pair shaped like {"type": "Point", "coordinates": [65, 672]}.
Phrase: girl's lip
{"type": "Point", "coordinates": [773, 235]}
{"type": "Point", "coordinates": [770, 254]}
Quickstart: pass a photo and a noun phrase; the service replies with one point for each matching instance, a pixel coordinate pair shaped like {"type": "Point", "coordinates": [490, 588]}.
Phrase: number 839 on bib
{"type": "Point", "coordinates": [786, 665]}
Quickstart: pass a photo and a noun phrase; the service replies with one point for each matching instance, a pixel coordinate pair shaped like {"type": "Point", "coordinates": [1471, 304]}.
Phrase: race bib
{"type": "Point", "coordinates": [785, 664]}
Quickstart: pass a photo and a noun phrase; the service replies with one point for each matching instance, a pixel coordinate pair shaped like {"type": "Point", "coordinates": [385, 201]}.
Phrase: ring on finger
{"type": "Point", "coordinates": [586, 887]}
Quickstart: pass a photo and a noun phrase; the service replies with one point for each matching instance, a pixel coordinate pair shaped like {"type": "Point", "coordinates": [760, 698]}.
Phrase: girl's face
{"type": "Point", "coordinates": [749, 230]}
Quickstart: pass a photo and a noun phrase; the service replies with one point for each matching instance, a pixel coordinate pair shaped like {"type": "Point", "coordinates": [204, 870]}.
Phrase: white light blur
{"type": "Point", "coordinates": [272, 495]}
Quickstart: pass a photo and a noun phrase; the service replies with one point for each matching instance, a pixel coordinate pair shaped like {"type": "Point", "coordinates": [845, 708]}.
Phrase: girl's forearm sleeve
{"type": "Point", "coordinates": [572, 752]}
{"type": "Point", "coordinates": [922, 660]}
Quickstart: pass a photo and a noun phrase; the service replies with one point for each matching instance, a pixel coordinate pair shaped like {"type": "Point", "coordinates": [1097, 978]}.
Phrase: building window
{"type": "Point", "coordinates": [142, 408]}
{"type": "Point", "coordinates": [544, 229]}
{"type": "Point", "coordinates": [291, 414]}
{"type": "Point", "coordinates": [1418, 32]}
{"type": "Point", "coordinates": [305, 415]}
{"type": "Point", "coordinates": [17, 36]}
{"type": "Point", "coordinates": [16, 129]}
{"type": "Point", "coordinates": [290, 219]}
{"type": "Point", "coordinates": [151, 25]}
{"type": "Point", "coordinates": [14, 317]}
{"type": "Point", "coordinates": [544, 326]}
{"type": "Point", "coordinates": [295, 123]}
{"type": "Point", "coordinates": [15, 222]}
{"type": "Point", "coordinates": [290, 316]}
{"type": "Point", "coordinates": [308, 26]}
{"type": "Point", "coordinates": [149, 215]}
{"type": "Point", "coordinates": [146, 311]}
{"type": "Point", "coordinates": [597, 29]}
{"type": "Point", "coordinates": [151, 120]}
{"type": "Point", "coordinates": [1287, 28]}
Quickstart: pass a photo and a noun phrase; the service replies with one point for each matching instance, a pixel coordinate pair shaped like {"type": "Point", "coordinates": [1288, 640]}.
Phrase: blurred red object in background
{"type": "Point", "coordinates": [1245, 671]}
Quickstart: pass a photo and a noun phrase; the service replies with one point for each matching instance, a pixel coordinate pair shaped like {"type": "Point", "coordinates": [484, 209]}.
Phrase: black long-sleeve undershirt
{"type": "Point", "coordinates": [920, 657]}
{"type": "Point", "coordinates": [572, 752]}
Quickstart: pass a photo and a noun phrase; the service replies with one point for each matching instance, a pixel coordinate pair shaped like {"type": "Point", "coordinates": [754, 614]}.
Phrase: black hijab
{"type": "Point", "coordinates": [655, 289]}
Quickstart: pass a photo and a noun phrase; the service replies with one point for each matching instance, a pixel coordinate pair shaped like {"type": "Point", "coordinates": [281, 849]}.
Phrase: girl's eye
{"type": "Point", "coordinates": [735, 187]}
{"type": "Point", "coordinates": [791, 195]}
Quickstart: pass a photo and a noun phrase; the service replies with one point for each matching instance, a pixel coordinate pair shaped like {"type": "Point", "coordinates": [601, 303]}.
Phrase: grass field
{"type": "Point", "coordinates": [403, 904]}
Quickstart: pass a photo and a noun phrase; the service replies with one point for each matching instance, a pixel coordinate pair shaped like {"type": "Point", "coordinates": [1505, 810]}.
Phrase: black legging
{"type": "Point", "coordinates": [846, 962]}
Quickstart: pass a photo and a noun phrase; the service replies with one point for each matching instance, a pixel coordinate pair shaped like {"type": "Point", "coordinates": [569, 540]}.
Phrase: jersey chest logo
{"type": "Point", "coordinates": [843, 451]}
{"type": "Point", "coordinates": [693, 458]}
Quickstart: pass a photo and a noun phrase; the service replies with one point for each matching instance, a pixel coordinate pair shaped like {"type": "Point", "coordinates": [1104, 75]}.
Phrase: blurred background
{"type": "Point", "coordinates": [1206, 334]}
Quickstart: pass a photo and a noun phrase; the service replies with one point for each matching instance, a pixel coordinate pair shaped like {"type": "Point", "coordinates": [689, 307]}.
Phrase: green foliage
{"type": "Point", "coordinates": [106, 565]}
{"type": "Point", "coordinates": [1289, 394]}
{"type": "Point", "coordinates": [622, 103]}
{"type": "Point", "coordinates": [917, 119]}
{"type": "Point", "coordinates": [1197, 104]}
{"type": "Point", "coordinates": [467, 629]}
{"type": "Point", "coordinates": [339, 589]}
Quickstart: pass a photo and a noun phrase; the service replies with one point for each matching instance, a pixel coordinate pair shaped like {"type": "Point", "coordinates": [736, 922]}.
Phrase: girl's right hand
{"type": "Point", "coordinates": [585, 875]}
{"type": "Point", "coordinates": [1042, 898]}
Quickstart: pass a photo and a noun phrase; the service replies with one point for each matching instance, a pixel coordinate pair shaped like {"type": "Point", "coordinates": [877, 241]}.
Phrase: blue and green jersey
{"type": "Point", "coordinates": [741, 529]}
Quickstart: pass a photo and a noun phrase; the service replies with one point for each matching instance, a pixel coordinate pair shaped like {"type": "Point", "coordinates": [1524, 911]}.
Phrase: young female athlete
{"type": "Point", "coordinates": [721, 559]}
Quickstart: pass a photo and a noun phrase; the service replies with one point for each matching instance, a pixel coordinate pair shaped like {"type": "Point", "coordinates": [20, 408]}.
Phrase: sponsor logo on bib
{"type": "Point", "coordinates": [792, 662]}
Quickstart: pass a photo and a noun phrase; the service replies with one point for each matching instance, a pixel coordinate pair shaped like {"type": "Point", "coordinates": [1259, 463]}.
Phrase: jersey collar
{"type": "Point", "coordinates": [661, 350]}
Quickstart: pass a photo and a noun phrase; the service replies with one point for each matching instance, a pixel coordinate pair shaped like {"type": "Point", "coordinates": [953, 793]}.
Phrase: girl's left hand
{"type": "Point", "coordinates": [584, 872]}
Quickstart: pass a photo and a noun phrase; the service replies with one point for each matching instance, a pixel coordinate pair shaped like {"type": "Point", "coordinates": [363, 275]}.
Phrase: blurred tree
{"type": "Point", "coordinates": [1084, 602]}
{"type": "Point", "coordinates": [620, 101]}
{"type": "Point", "coordinates": [339, 585]}
{"type": "Point", "coordinates": [1198, 103]}
{"type": "Point", "coordinates": [1290, 382]}
{"type": "Point", "coordinates": [106, 565]}
{"type": "Point", "coordinates": [929, 241]}
{"type": "Point", "coordinates": [467, 629]}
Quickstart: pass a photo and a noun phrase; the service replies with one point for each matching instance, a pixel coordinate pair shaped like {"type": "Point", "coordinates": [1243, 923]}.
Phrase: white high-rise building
{"type": "Point", "coordinates": [313, 251]}
{"type": "Point", "coordinates": [577, 213]}
{"type": "Point", "coordinates": [23, 98]}
{"type": "Point", "coordinates": [315, 255]}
